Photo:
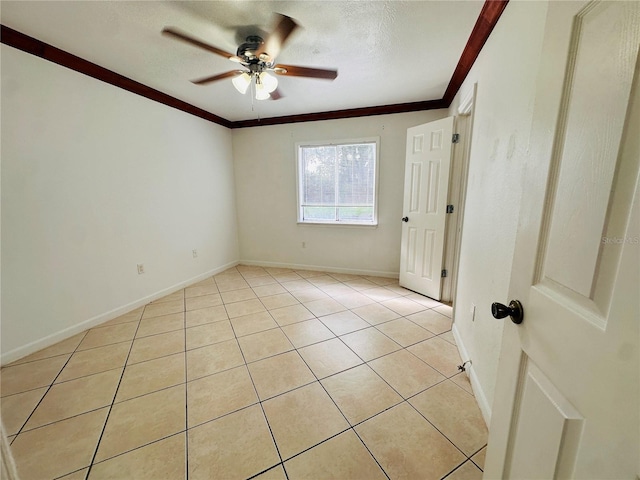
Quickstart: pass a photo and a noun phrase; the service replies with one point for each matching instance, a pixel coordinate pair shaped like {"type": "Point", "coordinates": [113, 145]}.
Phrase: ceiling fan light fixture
{"type": "Point", "coordinates": [269, 82]}
{"type": "Point", "coordinates": [261, 93]}
{"type": "Point", "coordinates": [242, 82]}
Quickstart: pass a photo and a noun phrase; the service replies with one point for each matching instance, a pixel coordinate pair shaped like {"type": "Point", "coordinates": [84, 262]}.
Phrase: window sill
{"type": "Point", "coordinates": [340, 224]}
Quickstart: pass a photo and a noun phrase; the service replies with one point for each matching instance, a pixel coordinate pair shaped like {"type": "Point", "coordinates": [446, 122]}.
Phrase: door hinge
{"type": "Point", "coordinates": [455, 138]}
{"type": "Point", "coordinates": [443, 274]}
{"type": "Point", "coordinates": [449, 208]}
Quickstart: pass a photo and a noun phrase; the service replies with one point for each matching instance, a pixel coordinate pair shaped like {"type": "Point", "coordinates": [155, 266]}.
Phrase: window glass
{"type": "Point", "coordinates": [337, 182]}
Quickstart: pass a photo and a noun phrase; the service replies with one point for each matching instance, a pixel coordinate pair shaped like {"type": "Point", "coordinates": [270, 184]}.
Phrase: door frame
{"type": "Point", "coordinates": [457, 195]}
{"type": "Point", "coordinates": [7, 463]}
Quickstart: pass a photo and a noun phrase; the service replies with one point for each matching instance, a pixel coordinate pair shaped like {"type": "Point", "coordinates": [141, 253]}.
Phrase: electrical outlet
{"type": "Point", "coordinates": [473, 312]}
{"type": "Point", "coordinates": [195, 253]}
{"type": "Point", "coordinates": [140, 268]}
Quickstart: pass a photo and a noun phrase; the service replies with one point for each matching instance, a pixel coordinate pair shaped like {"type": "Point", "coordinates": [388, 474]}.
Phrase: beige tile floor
{"type": "Point", "coordinates": [256, 372]}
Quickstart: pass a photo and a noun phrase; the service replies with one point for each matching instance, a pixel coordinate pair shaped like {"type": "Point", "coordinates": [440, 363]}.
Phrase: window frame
{"type": "Point", "coordinates": [333, 143]}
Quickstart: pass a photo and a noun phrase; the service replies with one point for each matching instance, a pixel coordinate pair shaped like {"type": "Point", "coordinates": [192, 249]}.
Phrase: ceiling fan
{"type": "Point", "coordinates": [257, 55]}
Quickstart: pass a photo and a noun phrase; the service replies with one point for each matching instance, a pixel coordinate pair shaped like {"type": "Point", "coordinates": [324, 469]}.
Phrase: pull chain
{"type": "Point", "coordinates": [253, 98]}
{"type": "Point", "coordinates": [253, 94]}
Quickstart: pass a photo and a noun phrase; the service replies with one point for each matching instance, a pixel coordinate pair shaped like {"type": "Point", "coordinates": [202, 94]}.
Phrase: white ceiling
{"type": "Point", "coordinates": [386, 52]}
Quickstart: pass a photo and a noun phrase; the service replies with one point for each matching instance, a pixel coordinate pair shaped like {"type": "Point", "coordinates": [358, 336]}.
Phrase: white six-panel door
{"type": "Point", "coordinates": [428, 159]}
{"type": "Point", "coordinates": [567, 402]}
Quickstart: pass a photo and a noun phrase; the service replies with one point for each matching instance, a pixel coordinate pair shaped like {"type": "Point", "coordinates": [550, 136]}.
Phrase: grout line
{"type": "Point", "coordinates": [15, 364]}
{"type": "Point", "coordinates": [475, 463]}
{"type": "Point", "coordinates": [458, 467]}
{"type": "Point", "coordinates": [214, 373]}
{"type": "Point", "coordinates": [370, 452]}
{"type": "Point", "coordinates": [264, 414]}
{"type": "Point", "coordinates": [478, 451]}
{"type": "Point", "coordinates": [105, 345]}
{"type": "Point", "coordinates": [115, 394]}
{"type": "Point", "coordinates": [151, 392]}
{"type": "Point", "coordinates": [70, 473]}
{"type": "Point", "coordinates": [281, 464]}
{"type": "Point", "coordinates": [343, 415]}
{"type": "Point", "coordinates": [48, 389]}
{"type": "Point", "coordinates": [174, 434]}
{"type": "Point", "coordinates": [161, 333]}
{"type": "Point", "coordinates": [186, 394]}
{"type": "Point", "coordinates": [402, 400]}
{"type": "Point", "coordinates": [310, 344]}
{"type": "Point", "coordinates": [319, 443]}
{"type": "Point", "coordinates": [105, 324]}
{"type": "Point", "coordinates": [225, 414]}
{"type": "Point", "coordinates": [440, 431]}
{"type": "Point", "coordinates": [62, 420]}
{"type": "Point", "coordinates": [154, 358]}
{"type": "Point", "coordinates": [434, 334]}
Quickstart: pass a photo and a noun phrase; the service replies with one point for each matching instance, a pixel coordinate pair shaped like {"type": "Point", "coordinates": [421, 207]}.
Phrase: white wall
{"type": "Point", "coordinates": [95, 180]}
{"type": "Point", "coordinates": [266, 193]}
{"type": "Point", "coordinates": [505, 72]}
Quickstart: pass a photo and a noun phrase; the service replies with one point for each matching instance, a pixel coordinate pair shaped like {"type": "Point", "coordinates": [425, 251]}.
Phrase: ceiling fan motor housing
{"type": "Point", "coordinates": [249, 47]}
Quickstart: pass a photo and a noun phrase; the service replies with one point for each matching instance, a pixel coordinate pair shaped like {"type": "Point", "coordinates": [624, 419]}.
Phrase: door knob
{"type": "Point", "coordinates": [405, 219]}
{"type": "Point", "coordinates": [514, 310]}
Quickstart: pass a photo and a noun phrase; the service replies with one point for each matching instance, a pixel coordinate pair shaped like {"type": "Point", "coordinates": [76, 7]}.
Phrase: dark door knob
{"type": "Point", "coordinates": [514, 310]}
{"type": "Point", "coordinates": [405, 219]}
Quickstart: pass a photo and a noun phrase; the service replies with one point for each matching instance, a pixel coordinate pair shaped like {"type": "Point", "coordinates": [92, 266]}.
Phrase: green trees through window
{"type": "Point", "coordinates": [337, 182]}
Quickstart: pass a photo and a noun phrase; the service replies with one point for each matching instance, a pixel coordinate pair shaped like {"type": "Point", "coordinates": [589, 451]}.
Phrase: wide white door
{"type": "Point", "coordinates": [426, 180]}
{"type": "Point", "coordinates": [567, 401]}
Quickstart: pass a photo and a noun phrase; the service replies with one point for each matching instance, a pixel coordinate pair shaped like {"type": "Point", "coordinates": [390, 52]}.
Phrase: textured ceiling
{"type": "Point", "coordinates": [386, 52]}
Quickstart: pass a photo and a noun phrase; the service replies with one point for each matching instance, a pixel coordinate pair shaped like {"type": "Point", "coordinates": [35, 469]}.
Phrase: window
{"type": "Point", "coordinates": [337, 182]}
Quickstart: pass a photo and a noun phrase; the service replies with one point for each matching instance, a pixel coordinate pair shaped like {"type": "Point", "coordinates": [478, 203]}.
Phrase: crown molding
{"type": "Point", "coordinates": [348, 113]}
{"type": "Point", "coordinates": [489, 15]}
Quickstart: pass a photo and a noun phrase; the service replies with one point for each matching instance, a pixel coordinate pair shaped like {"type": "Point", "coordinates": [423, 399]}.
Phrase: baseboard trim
{"type": "Point", "coordinates": [478, 391]}
{"type": "Point", "coordinates": [317, 268]}
{"type": "Point", "coordinates": [20, 352]}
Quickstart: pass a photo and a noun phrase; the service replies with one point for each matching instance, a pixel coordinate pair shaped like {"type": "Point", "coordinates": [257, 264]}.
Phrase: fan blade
{"type": "Point", "coordinates": [172, 32]}
{"type": "Point", "coordinates": [220, 76]}
{"type": "Point", "coordinates": [276, 95]}
{"type": "Point", "coordinates": [273, 44]}
{"type": "Point", "coordinates": [295, 71]}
